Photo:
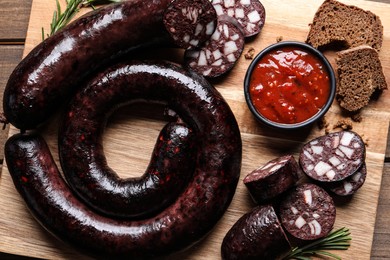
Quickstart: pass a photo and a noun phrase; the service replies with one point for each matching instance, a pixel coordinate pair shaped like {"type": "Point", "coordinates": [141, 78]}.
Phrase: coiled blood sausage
{"type": "Point", "coordinates": [171, 166]}
{"type": "Point", "coordinates": [53, 69]}
{"type": "Point", "coordinates": [186, 220]}
{"type": "Point", "coordinates": [81, 153]}
{"type": "Point", "coordinates": [196, 161]}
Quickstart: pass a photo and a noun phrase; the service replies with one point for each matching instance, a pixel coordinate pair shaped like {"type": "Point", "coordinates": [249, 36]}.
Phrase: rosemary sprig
{"type": "Point", "coordinates": [61, 19]}
{"type": "Point", "coordinates": [336, 240]}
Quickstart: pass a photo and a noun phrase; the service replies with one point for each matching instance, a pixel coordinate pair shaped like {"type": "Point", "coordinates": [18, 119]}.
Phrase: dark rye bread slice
{"type": "Point", "coordinates": [345, 26]}
{"type": "Point", "coordinates": [359, 75]}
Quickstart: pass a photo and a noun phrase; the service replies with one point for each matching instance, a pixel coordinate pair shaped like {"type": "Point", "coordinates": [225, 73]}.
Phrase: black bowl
{"type": "Point", "coordinates": [312, 119]}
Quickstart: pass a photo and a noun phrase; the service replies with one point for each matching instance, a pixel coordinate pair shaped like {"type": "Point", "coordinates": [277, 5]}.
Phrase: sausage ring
{"type": "Point", "coordinates": [53, 69]}
{"type": "Point", "coordinates": [80, 137]}
{"type": "Point", "coordinates": [182, 223]}
{"type": "Point", "coordinates": [87, 172]}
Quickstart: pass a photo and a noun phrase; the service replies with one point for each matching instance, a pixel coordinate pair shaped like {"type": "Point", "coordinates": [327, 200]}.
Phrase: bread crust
{"type": "Point", "coordinates": [345, 26]}
{"type": "Point", "coordinates": [359, 75]}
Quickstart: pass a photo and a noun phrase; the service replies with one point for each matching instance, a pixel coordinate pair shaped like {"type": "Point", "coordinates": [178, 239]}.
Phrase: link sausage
{"type": "Point", "coordinates": [80, 138]}
{"type": "Point", "coordinates": [191, 216]}
{"type": "Point", "coordinates": [171, 166]}
{"type": "Point", "coordinates": [54, 68]}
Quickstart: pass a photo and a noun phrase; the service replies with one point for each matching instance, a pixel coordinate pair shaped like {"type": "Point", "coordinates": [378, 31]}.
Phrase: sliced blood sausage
{"type": "Point", "coordinates": [308, 212]}
{"type": "Point", "coordinates": [273, 178]}
{"type": "Point", "coordinates": [333, 157]}
{"type": "Point", "coordinates": [220, 53]}
{"type": "Point", "coordinates": [250, 14]}
{"type": "Point", "coordinates": [256, 235]}
{"type": "Point", "coordinates": [349, 185]}
{"type": "Point", "coordinates": [190, 23]}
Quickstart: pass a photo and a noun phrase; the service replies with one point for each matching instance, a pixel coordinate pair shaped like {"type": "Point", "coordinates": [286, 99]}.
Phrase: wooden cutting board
{"type": "Point", "coordinates": [130, 137]}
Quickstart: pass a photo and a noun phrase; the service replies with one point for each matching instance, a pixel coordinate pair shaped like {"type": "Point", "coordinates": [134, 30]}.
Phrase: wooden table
{"type": "Point", "coordinates": [14, 16]}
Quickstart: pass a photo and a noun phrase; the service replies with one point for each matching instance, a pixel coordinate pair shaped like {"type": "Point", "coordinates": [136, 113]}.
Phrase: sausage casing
{"type": "Point", "coordinates": [192, 215]}
{"type": "Point", "coordinates": [55, 67]}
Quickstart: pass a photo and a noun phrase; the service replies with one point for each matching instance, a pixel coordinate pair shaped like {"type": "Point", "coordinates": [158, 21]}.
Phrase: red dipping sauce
{"type": "Point", "coordinates": [289, 85]}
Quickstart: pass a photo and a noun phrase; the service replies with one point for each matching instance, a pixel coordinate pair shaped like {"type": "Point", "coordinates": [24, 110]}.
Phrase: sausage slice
{"type": "Point", "coordinates": [190, 23]}
{"type": "Point", "coordinates": [349, 185]}
{"type": "Point", "coordinates": [308, 212]}
{"type": "Point", "coordinates": [333, 157]}
{"type": "Point", "coordinates": [256, 235]}
{"type": "Point", "coordinates": [250, 14]}
{"type": "Point", "coordinates": [272, 179]}
{"type": "Point", "coordinates": [220, 53]}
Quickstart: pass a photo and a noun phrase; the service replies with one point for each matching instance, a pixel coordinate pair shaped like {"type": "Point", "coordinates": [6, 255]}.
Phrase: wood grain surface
{"type": "Point", "coordinates": [130, 138]}
{"type": "Point", "coordinates": [14, 15]}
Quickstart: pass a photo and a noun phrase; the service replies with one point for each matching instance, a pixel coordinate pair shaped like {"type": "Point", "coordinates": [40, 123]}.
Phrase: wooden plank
{"type": "Point", "coordinates": [287, 19]}
{"type": "Point", "coordinates": [380, 247]}
{"type": "Point", "coordinates": [387, 155]}
{"type": "Point", "coordinates": [10, 57]}
{"type": "Point", "coordinates": [14, 16]}
{"type": "Point", "coordinates": [383, 1]}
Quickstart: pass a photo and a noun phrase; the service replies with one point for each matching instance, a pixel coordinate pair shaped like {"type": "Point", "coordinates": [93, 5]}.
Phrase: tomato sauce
{"type": "Point", "coordinates": [289, 85]}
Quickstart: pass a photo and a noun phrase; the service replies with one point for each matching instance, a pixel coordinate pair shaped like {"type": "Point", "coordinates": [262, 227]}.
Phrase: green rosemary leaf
{"type": "Point", "coordinates": [62, 18]}
{"type": "Point", "coordinates": [320, 252]}
{"type": "Point", "coordinates": [336, 240]}
{"type": "Point", "coordinates": [58, 6]}
{"type": "Point", "coordinates": [302, 258]}
{"type": "Point", "coordinates": [54, 19]}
